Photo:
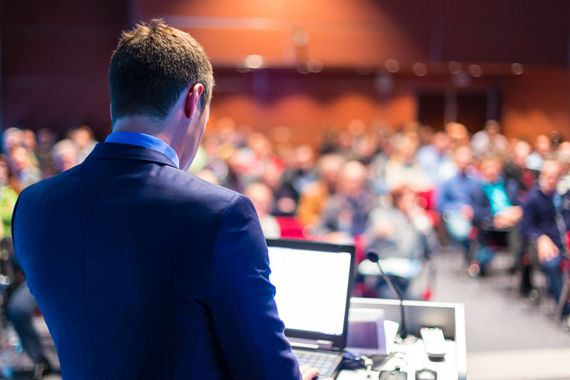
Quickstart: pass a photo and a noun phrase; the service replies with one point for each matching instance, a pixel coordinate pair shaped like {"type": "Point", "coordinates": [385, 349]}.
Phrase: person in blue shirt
{"type": "Point", "coordinates": [454, 199]}
{"type": "Point", "coordinates": [495, 214]}
{"type": "Point", "coordinates": [435, 158]}
{"type": "Point", "coordinates": [545, 223]}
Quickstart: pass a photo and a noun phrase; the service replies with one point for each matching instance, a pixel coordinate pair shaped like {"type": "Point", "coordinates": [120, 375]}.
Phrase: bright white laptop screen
{"type": "Point", "coordinates": [311, 288]}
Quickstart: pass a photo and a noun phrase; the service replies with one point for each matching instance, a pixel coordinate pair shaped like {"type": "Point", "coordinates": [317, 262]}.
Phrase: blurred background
{"type": "Point", "coordinates": [306, 65]}
{"type": "Point", "coordinates": [348, 121]}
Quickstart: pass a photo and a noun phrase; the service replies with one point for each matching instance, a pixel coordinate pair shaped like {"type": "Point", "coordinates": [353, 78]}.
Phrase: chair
{"type": "Point", "coordinates": [291, 228]}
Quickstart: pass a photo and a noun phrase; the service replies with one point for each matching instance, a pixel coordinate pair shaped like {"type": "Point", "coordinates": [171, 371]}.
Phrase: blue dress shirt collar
{"type": "Point", "coordinates": [145, 141]}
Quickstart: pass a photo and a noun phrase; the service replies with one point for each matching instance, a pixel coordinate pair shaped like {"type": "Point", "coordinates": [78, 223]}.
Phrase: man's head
{"type": "Point", "coordinates": [441, 142]}
{"type": "Point", "coordinates": [328, 168]}
{"type": "Point", "coordinates": [353, 176]}
{"type": "Point", "coordinates": [491, 168]}
{"type": "Point", "coordinates": [65, 155]}
{"type": "Point", "coordinates": [161, 78]}
{"type": "Point", "coordinates": [520, 152]}
{"type": "Point", "coordinates": [549, 175]}
{"type": "Point", "coordinates": [492, 127]}
{"type": "Point", "coordinates": [542, 145]}
{"type": "Point", "coordinates": [261, 197]}
{"type": "Point", "coordinates": [463, 157]}
{"type": "Point", "coordinates": [20, 159]}
{"type": "Point", "coordinates": [82, 136]}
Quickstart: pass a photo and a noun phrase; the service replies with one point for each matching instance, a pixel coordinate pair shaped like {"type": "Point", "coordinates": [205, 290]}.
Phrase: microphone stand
{"type": "Point", "coordinates": [375, 258]}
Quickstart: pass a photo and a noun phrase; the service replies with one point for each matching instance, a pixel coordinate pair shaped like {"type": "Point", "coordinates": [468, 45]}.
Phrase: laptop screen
{"type": "Point", "coordinates": [313, 284]}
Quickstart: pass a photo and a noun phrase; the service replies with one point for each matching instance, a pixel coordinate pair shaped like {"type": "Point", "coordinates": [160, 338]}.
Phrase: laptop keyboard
{"type": "Point", "coordinates": [326, 363]}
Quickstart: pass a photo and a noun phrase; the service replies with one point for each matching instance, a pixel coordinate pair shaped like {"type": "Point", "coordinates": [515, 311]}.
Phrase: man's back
{"type": "Point", "coordinates": [145, 272]}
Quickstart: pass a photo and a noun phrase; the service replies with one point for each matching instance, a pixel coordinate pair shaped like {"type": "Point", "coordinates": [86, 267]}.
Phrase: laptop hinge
{"type": "Point", "coordinates": [312, 344]}
{"type": "Point", "coordinates": [325, 345]}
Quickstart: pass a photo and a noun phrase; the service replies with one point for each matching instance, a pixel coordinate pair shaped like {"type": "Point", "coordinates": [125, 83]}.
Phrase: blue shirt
{"type": "Point", "coordinates": [456, 192]}
{"type": "Point", "coordinates": [145, 141]}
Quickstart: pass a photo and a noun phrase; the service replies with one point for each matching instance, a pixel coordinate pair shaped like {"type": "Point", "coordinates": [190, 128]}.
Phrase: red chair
{"type": "Point", "coordinates": [291, 228]}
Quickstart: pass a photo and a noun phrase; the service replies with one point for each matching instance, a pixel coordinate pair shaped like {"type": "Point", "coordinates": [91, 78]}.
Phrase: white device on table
{"type": "Point", "coordinates": [313, 283]}
{"type": "Point", "coordinates": [434, 342]}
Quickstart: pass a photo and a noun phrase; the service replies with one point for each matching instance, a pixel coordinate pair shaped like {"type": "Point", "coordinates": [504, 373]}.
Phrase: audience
{"type": "Point", "coordinates": [367, 185]}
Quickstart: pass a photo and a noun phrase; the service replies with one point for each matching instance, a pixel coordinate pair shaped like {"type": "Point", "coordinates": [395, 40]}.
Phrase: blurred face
{"type": "Point", "coordinates": [353, 178]}
{"type": "Point", "coordinates": [463, 158]}
{"type": "Point", "coordinates": [549, 176]}
{"type": "Point", "coordinates": [261, 198]}
{"type": "Point", "coordinates": [491, 170]}
{"type": "Point", "coordinates": [12, 138]}
{"type": "Point", "coordinates": [29, 139]}
{"type": "Point", "coordinates": [20, 159]}
{"type": "Point", "coordinates": [66, 159]}
{"type": "Point", "coordinates": [406, 201]}
{"type": "Point", "coordinates": [492, 129]}
{"type": "Point", "coordinates": [521, 151]}
{"type": "Point", "coordinates": [542, 145]}
{"type": "Point", "coordinates": [329, 167]}
{"type": "Point", "coordinates": [81, 137]}
{"type": "Point", "coordinates": [408, 148]}
{"type": "Point", "coordinates": [441, 142]}
{"type": "Point", "coordinates": [305, 158]}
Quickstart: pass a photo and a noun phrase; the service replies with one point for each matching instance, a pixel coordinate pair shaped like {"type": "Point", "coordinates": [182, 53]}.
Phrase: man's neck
{"type": "Point", "coordinates": [149, 126]}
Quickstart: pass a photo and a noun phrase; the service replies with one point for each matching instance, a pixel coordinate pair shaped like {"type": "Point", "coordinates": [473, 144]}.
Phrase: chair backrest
{"type": "Point", "coordinates": [291, 227]}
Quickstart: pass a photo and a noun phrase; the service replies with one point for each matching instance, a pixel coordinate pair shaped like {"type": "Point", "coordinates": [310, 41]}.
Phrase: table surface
{"type": "Point", "coordinates": [414, 359]}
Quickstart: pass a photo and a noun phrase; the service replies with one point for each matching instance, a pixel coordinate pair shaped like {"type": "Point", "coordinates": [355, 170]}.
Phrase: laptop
{"type": "Point", "coordinates": [313, 282]}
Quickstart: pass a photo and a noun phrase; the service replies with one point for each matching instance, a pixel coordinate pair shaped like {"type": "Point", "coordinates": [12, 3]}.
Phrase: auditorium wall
{"type": "Point", "coordinates": [55, 56]}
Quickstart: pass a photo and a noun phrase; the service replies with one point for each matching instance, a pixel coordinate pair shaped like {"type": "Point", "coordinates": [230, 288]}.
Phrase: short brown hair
{"type": "Point", "coordinates": [152, 64]}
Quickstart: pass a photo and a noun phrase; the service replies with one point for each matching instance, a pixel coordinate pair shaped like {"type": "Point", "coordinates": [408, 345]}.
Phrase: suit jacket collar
{"type": "Point", "coordinates": [114, 151]}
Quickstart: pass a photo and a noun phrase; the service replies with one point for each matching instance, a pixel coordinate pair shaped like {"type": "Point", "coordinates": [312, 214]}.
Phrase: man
{"type": "Point", "coordinates": [518, 177]}
{"type": "Point", "coordinates": [65, 155]}
{"type": "Point", "coordinates": [546, 217]}
{"type": "Point", "coordinates": [454, 200]}
{"type": "Point", "coordinates": [435, 158]}
{"type": "Point", "coordinates": [314, 198]}
{"type": "Point", "coordinates": [262, 198]}
{"type": "Point", "coordinates": [25, 172]}
{"type": "Point", "coordinates": [141, 270]}
{"type": "Point", "coordinates": [345, 214]}
{"type": "Point", "coordinates": [489, 140]}
{"type": "Point", "coordinates": [495, 214]}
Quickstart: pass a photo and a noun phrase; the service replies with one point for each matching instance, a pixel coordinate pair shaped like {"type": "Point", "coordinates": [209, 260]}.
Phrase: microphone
{"type": "Point", "coordinates": [375, 258]}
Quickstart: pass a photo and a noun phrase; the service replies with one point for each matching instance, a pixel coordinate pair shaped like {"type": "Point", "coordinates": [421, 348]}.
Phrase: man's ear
{"type": "Point", "coordinates": [192, 103]}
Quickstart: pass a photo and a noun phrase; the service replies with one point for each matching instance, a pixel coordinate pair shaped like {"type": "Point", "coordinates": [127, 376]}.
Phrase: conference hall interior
{"type": "Point", "coordinates": [423, 134]}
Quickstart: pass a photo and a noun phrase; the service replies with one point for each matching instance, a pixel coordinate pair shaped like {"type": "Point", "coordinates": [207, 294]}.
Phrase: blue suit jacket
{"type": "Point", "coordinates": [143, 271]}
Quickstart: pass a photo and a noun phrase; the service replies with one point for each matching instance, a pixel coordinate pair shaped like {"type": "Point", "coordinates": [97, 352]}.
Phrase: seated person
{"type": "Point", "coordinates": [403, 231]}
{"type": "Point", "coordinates": [545, 223]}
{"type": "Point", "coordinates": [454, 201]}
{"type": "Point", "coordinates": [402, 167]}
{"type": "Point", "coordinates": [313, 198]}
{"type": "Point", "coordinates": [262, 199]}
{"type": "Point", "coordinates": [345, 214]}
{"type": "Point", "coordinates": [494, 210]}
